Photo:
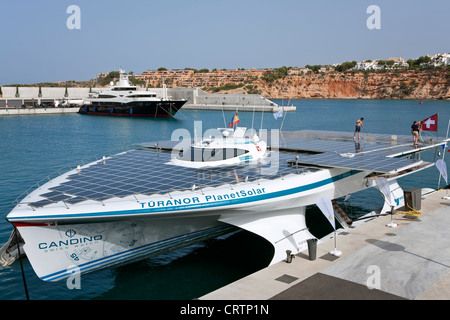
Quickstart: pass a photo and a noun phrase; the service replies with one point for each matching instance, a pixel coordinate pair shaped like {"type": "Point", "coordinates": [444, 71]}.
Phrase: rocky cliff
{"type": "Point", "coordinates": [394, 84]}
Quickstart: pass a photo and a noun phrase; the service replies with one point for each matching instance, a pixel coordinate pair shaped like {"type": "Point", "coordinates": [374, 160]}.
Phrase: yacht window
{"type": "Point", "coordinates": [124, 89]}
{"type": "Point", "coordinates": [142, 96]}
{"type": "Point", "coordinates": [206, 154]}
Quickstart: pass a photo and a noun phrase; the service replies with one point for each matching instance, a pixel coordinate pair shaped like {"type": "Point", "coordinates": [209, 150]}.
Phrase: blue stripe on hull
{"type": "Point", "coordinates": [215, 204]}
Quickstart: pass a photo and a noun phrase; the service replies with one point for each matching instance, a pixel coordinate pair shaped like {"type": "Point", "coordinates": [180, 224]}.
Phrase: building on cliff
{"type": "Point", "coordinates": [440, 60]}
{"type": "Point", "coordinates": [389, 63]}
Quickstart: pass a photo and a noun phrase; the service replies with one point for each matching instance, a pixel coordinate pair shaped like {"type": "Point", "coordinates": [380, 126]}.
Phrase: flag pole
{"type": "Point", "coordinates": [325, 205]}
{"type": "Point", "coordinates": [282, 122]}
{"type": "Point", "coordinates": [437, 127]}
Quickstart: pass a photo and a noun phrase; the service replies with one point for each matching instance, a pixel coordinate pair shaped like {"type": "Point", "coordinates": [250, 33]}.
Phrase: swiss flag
{"type": "Point", "coordinates": [430, 123]}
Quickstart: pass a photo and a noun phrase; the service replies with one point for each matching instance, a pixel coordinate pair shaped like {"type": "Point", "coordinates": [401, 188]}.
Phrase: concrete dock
{"type": "Point", "coordinates": [12, 99]}
{"type": "Point", "coordinates": [34, 111]}
{"type": "Point", "coordinates": [378, 262]}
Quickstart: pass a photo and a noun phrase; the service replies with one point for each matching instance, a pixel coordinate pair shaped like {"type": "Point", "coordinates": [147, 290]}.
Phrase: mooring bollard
{"type": "Point", "coordinates": [312, 249]}
{"type": "Point", "coordinates": [289, 256]}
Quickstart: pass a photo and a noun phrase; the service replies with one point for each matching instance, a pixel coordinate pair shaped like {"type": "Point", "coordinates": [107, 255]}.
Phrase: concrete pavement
{"type": "Point", "coordinates": [411, 261]}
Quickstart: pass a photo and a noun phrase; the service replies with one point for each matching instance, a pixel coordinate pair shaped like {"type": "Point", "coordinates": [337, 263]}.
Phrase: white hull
{"type": "Point", "coordinates": [273, 209]}
{"type": "Point", "coordinates": [137, 204]}
{"type": "Point", "coordinates": [54, 250]}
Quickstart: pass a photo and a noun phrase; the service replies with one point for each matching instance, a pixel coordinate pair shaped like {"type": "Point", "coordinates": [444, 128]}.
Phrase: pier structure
{"type": "Point", "coordinates": [378, 262]}
{"type": "Point", "coordinates": [24, 100]}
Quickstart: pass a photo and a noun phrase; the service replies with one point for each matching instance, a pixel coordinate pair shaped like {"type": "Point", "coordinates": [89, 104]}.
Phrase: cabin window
{"type": "Point", "coordinates": [207, 154]}
{"type": "Point", "coordinates": [142, 96]}
{"type": "Point", "coordinates": [124, 89]}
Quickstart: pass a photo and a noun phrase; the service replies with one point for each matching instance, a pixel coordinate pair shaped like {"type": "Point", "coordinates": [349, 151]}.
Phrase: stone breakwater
{"type": "Point", "coordinates": [395, 84]}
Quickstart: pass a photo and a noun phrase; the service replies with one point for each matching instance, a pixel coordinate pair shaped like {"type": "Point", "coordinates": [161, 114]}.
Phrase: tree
{"type": "Point", "coordinates": [275, 74]}
{"type": "Point", "coordinates": [162, 69]}
{"type": "Point", "coordinates": [417, 63]}
{"type": "Point", "coordinates": [315, 68]}
{"type": "Point", "coordinates": [423, 59]}
{"type": "Point", "coordinates": [109, 77]}
{"type": "Point", "coordinates": [345, 66]}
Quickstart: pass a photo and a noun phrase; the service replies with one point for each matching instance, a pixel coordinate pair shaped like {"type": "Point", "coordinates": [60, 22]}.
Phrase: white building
{"type": "Point", "coordinates": [368, 65]}
{"type": "Point", "coordinates": [398, 63]}
{"type": "Point", "coordinates": [376, 65]}
{"type": "Point", "coordinates": [440, 59]}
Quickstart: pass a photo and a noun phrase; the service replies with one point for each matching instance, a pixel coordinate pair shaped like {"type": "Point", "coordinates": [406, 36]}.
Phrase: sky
{"type": "Point", "coordinates": [39, 44]}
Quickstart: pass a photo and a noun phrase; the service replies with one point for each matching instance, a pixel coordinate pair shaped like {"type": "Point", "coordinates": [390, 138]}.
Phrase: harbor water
{"type": "Point", "coordinates": [35, 146]}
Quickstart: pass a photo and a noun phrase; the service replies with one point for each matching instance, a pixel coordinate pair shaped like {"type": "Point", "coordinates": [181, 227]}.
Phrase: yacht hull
{"type": "Point", "coordinates": [56, 250]}
{"type": "Point", "coordinates": [273, 209]}
{"type": "Point", "coordinates": [154, 109]}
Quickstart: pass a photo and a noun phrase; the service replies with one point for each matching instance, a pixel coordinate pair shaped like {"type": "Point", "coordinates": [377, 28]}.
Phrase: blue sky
{"type": "Point", "coordinates": [140, 35]}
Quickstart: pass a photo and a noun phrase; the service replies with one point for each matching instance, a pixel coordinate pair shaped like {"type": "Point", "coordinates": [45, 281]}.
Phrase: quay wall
{"type": "Point", "coordinates": [196, 98]}
{"type": "Point", "coordinates": [35, 111]}
{"type": "Point", "coordinates": [47, 92]}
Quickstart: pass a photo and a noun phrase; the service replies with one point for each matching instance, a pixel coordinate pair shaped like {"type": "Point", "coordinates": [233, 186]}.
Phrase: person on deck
{"type": "Point", "coordinates": [359, 124]}
{"type": "Point", "coordinates": [415, 129]}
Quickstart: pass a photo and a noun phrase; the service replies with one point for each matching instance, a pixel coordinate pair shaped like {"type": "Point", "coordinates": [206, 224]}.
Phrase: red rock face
{"type": "Point", "coordinates": [399, 84]}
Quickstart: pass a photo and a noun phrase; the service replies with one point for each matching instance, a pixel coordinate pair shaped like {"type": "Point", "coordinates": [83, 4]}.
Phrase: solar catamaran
{"type": "Point", "coordinates": [160, 196]}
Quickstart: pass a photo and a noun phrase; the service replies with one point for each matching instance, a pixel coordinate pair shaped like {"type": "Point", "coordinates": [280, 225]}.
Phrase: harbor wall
{"type": "Point", "coordinates": [196, 98]}
{"type": "Point", "coordinates": [47, 92]}
{"type": "Point", "coordinates": [35, 111]}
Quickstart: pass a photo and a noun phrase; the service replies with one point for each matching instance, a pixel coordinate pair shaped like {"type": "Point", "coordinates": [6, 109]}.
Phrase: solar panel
{"type": "Point", "coordinates": [146, 171]}
{"type": "Point", "coordinates": [315, 141]}
{"type": "Point", "coordinates": [76, 200]}
{"type": "Point", "coordinates": [52, 194]}
{"type": "Point", "coordinates": [41, 203]}
{"type": "Point", "coordinates": [358, 162]}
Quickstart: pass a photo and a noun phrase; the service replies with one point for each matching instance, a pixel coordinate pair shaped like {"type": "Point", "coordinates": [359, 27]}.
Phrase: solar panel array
{"type": "Point", "coordinates": [146, 171]}
{"type": "Point", "coordinates": [341, 142]}
{"type": "Point", "coordinates": [340, 150]}
{"type": "Point", "coordinates": [358, 162]}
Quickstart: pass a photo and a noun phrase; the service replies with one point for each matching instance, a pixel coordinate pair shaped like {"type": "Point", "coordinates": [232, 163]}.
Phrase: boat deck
{"type": "Point", "coordinates": [146, 170]}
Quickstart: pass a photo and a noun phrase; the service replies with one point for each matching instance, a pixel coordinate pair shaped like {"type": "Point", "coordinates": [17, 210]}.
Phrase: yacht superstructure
{"type": "Point", "coordinates": [124, 99]}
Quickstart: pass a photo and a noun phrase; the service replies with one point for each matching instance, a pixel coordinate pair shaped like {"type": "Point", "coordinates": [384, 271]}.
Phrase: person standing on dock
{"type": "Point", "coordinates": [359, 124]}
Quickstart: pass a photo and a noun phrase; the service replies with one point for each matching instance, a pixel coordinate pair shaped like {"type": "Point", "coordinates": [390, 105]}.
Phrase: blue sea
{"type": "Point", "coordinates": [34, 146]}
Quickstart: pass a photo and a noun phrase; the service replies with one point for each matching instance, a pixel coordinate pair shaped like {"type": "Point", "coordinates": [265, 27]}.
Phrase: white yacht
{"type": "Point", "coordinates": [157, 197]}
{"type": "Point", "coordinates": [124, 99]}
